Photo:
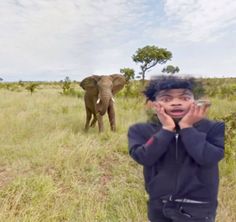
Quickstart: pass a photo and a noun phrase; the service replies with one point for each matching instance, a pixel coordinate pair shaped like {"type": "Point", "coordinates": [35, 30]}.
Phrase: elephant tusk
{"type": "Point", "coordinates": [98, 101]}
{"type": "Point", "coordinates": [113, 100]}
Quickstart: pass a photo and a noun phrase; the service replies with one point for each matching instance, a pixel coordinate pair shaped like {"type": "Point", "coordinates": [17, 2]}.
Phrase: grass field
{"type": "Point", "coordinates": [51, 171]}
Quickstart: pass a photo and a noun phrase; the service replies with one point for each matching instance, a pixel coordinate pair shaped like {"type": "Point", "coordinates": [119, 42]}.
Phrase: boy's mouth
{"type": "Point", "coordinates": [177, 112]}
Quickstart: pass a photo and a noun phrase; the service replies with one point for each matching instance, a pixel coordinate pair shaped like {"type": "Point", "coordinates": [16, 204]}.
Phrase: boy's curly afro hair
{"type": "Point", "coordinates": [162, 82]}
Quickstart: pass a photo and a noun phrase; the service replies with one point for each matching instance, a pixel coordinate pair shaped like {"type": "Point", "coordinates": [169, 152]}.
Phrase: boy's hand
{"type": "Point", "coordinates": [166, 121]}
{"type": "Point", "coordinates": [195, 114]}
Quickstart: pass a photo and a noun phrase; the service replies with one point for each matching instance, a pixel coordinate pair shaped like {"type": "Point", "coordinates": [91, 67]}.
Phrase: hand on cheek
{"type": "Point", "coordinates": [195, 114]}
{"type": "Point", "coordinates": [166, 121]}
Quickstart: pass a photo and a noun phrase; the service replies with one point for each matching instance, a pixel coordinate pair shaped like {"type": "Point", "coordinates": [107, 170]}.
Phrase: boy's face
{"type": "Point", "coordinates": [176, 102]}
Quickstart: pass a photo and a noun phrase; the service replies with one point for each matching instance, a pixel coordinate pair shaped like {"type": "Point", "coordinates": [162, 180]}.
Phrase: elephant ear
{"type": "Point", "coordinates": [118, 83]}
{"type": "Point", "coordinates": [89, 84]}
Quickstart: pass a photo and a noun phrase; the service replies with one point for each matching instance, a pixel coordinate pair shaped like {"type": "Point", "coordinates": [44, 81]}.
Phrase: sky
{"type": "Point", "coordinates": [47, 40]}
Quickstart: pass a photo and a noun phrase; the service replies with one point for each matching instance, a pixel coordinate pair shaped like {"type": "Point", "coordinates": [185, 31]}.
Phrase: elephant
{"type": "Point", "coordinates": [98, 98]}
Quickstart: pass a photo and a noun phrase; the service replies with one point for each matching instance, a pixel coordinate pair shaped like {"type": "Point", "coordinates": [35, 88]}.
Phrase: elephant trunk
{"type": "Point", "coordinates": [103, 101]}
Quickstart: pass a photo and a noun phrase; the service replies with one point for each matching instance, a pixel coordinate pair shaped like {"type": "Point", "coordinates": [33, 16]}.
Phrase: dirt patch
{"type": "Point", "coordinates": [5, 176]}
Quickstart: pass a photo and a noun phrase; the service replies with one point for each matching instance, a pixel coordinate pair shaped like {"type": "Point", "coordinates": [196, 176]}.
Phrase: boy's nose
{"type": "Point", "coordinates": [176, 102]}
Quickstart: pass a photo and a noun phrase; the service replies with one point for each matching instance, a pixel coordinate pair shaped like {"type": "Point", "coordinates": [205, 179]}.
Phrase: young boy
{"type": "Point", "coordinates": [179, 153]}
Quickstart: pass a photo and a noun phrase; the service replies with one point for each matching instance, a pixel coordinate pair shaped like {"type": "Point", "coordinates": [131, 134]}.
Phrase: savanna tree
{"type": "Point", "coordinates": [149, 56]}
{"type": "Point", "coordinates": [129, 75]}
{"type": "Point", "coordinates": [171, 69]}
{"type": "Point", "coordinates": [66, 85]}
{"type": "Point", "coordinates": [21, 83]}
{"type": "Point", "coordinates": [31, 87]}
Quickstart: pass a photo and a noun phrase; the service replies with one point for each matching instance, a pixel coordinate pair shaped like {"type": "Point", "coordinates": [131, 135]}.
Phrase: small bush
{"type": "Point", "coordinates": [73, 92]}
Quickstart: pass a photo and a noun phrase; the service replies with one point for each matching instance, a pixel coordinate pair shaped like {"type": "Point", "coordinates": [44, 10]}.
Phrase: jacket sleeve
{"type": "Point", "coordinates": [202, 147]}
{"type": "Point", "coordinates": [148, 152]}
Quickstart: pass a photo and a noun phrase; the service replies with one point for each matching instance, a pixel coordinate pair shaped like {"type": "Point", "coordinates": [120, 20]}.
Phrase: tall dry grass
{"type": "Point", "coordinates": [51, 171]}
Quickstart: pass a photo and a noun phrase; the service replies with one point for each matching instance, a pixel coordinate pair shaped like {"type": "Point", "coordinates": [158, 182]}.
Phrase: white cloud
{"type": "Point", "coordinates": [197, 20]}
{"type": "Point", "coordinates": [39, 35]}
{"type": "Point", "coordinates": [81, 37]}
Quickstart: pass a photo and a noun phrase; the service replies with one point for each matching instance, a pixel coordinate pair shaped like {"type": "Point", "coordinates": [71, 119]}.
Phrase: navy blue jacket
{"type": "Point", "coordinates": [181, 164]}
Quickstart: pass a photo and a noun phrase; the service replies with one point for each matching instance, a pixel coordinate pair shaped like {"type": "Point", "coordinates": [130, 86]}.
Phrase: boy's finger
{"type": "Point", "coordinates": [201, 108]}
{"type": "Point", "coordinates": [192, 109]}
{"type": "Point", "coordinates": [198, 110]}
{"type": "Point", "coordinates": [158, 107]}
{"type": "Point", "coordinates": [156, 104]}
{"type": "Point", "coordinates": [206, 107]}
{"type": "Point", "coordinates": [162, 111]}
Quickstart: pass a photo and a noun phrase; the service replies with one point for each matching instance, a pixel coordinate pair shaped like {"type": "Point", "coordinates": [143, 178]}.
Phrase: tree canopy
{"type": "Point", "coordinates": [128, 73]}
{"type": "Point", "coordinates": [171, 69]}
{"type": "Point", "coordinates": [149, 56]}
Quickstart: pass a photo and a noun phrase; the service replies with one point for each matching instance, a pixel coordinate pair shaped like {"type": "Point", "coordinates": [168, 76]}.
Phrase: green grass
{"type": "Point", "coordinates": [51, 171]}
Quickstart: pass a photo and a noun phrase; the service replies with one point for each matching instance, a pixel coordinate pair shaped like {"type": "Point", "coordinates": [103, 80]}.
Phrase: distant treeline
{"type": "Point", "coordinates": [212, 87]}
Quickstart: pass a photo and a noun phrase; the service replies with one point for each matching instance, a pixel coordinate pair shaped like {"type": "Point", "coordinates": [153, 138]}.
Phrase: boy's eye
{"type": "Point", "coordinates": [165, 99]}
{"type": "Point", "coordinates": [186, 98]}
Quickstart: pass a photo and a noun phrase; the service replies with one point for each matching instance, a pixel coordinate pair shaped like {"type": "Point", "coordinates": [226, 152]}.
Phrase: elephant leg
{"type": "Point", "coordinates": [111, 116]}
{"type": "Point", "coordinates": [93, 123]}
{"type": "Point", "coordinates": [88, 118]}
{"type": "Point", "coordinates": [100, 123]}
